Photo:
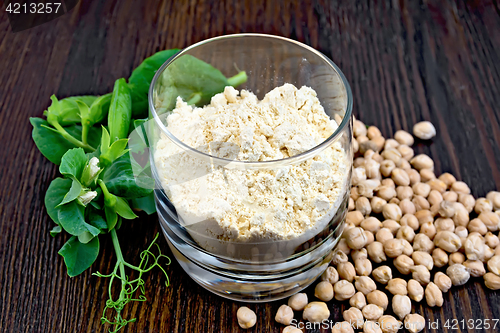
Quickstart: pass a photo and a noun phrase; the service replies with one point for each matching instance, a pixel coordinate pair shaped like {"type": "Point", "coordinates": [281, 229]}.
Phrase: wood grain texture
{"type": "Point", "coordinates": [406, 61]}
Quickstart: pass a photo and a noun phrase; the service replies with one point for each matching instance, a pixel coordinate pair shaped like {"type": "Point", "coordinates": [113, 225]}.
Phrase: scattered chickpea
{"type": "Point", "coordinates": [354, 316]}
{"type": "Point", "coordinates": [467, 200]}
{"type": "Point", "coordinates": [401, 306]}
{"type": "Point", "coordinates": [377, 204]}
{"type": "Point", "coordinates": [324, 291]}
{"type": "Point", "coordinates": [446, 209]}
{"type": "Point", "coordinates": [434, 197]}
{"type": "Point", "coordinates": [392, 212]}
{"type": "Point", "coordinates": [433, 295]}
{"type": "Point", "coordinates": [424, 130]}
{"type": "Point", "coordinates": [379, 298]}
{"type": "Point", "coordinates": [440, 257]}
{"type": "Point", "coordinates": [246, 317]}
{"type": "Point", "coordinates": [363, 267]}
{"type": "Point", "coordinates": [406, 152]}
{"type": "Point", "coordinates": [284, 315]}
{"type": "Point", "coordinates": [316, 312]}
{"type": "Point", "coordinates": [491, 240]}
{"type": "Point", "coordinates": [293, 329]}
{"type": "Point", "coordinates": [444, 224]}
{"type": "Point", "coordinates": [406, 232]}
{"type": "Point", "coordinates": [415, 290]}
{"type": "Point", "coordinates": [382, 274]}
{"type": "Point", "coordinates": [460, 187]}
{"type": "Point", "coordinates": [355, 238]}
{"type": "Point", "coordinates": [490, 220]}
{"type": "Point", "coordinates": [397, 286]}
{"type": "Point", "coordinates": [443, 281]}
{"type": "Point", "coordinates": [458, 274]}
{"type": "Point", "coordinates": [427, 175]}
{"type": "Point", "coordinates": [450, 196]}
{"type": "Point", "coordinates": [372, 312]}
{"type": "Point", "coordinates": [476, 267]}
{"type": "Point", "coordinates": [456, 258]}
{"type": "Point", "coordinates": [404, 138]}
{"type": "Point", "coordinates": [422, 161]}
{"type": "Point", "coordinates": [420, 203]}
{"type": "Point", "coordinates": [494, 198]}
{"type": "Point", "coordinates": [476, 225]}
{"type": "Point", "coordinates": [330, 274]}
{"type": "Point", "coordinates": [403, 264]}
{"type": "Point", "coordinates": [404, 192]}
{"type": "Point", "coordinates": [354, 217]}
{"type": "Point", "coordinates": [346, 271]}
{"type": "Point", "coordinates": [342, 327]}
{"type": "Point", "coordinates": [390, 144]}
{"type": "Point", "coordinates": [447, 241]}
{"type": "Point", "coordinates": [365, 284]}
{"type": "Point", "coordinates": [392, 225]}
{"type": "Point", "coordinates": [394, 247]}
{"type": "Point", "coordinates": [414, 176]}
{"type": "Point", "coordinates": [414, 323]}
{"type": "Point", "coordinates": [429, 229]}
{"type": "Point", "coordinates": [371, 224]}
{"type": "Point", "coordinates": [400, 177]}
{"type": "Point", "coordinates": [436, 184]}
{"type": "Point", "coordinates": [370, 238]}
{"type": "Point", "coordinates": [422, 242]}
{"type": "Point", "coordinates": [376, 252]}
{"type": "Point", "coordinates": [343, 290]}
{"type": "Point", "coordinates": [424, 216]}
{"type": "Point", "coordinates": [421, 274]}
{"type": "Point", "coordinates": [494, 265]}
{"type": "Point", "coordinates": [410, 220]}
{"type": "Point", "coordinates": [389, 324]}
{"type": "Point", "coordinates": [474, 246]}
{"type": "Point", "coordinates": [492, 281]}
{"type": "Point", "coordinates": [423, 258]}
{"type": "Point", "coordinates": [358, 300]}
{"type": "Point", "coordinates": [384, 235]}
{"type": "Point", "coordinates": [363, 205]}
{"type": "Point", "coordinates": [359, 254]}
{"type": "Point", "coordinates": [298, 301]}
{"type": "Point", "coordinates": [483, 205]}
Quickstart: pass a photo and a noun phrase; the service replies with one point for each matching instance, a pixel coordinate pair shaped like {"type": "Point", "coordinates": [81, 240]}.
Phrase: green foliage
{"type": "Point", "coordinates": [101, 184]}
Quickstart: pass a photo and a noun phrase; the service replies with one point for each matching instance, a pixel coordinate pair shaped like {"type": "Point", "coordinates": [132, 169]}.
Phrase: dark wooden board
{"type": "Point", "coordinates": [406, 61]}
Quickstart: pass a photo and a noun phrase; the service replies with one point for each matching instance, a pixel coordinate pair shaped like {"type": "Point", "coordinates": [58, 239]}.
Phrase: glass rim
{"type": "Point", "coordinates": [233, 162]}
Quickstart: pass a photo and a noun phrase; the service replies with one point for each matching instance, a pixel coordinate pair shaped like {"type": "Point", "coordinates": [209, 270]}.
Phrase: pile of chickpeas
{"type": "Point", "coordinates": [432, 230]}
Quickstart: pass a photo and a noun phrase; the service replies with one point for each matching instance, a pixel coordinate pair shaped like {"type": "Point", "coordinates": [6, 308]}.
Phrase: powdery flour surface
{"type": "Point", "coordinates": [286, 202]}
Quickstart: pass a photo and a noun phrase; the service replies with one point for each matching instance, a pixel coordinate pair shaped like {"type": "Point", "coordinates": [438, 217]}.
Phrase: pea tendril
{"type": "Point", "coordinates": [129, 288]}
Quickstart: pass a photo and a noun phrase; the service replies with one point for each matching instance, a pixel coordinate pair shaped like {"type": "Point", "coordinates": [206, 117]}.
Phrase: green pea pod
{"type": "Point", "coordinates": [120, 111]}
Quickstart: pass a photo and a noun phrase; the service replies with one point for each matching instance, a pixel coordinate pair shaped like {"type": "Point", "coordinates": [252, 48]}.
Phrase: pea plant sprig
{"type": "Point", "coordinates": [87, 136]}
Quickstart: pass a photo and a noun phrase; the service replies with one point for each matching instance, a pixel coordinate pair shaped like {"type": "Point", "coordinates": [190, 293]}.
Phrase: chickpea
{"type": "Point", "coordinates": [415, 290]}
{"type": "Point", "coordinates": [379, 298]}
{"type": "Point", "coordinates": [382, 274]}
{"type": "Point", "coordinates": [316, 312]}
{"type": "Point", "coordinates": [298, 301]}
{"type": "Point", "coordinates": [246, 317]}
{"type": "Point", "coordinates": [397, 286]}
{"type": "Point", "coordinates": [284, 315]}
{"type": "Point", "coordinates": [433, 295]}
{"type": "Point", "coordinates": [358, 300]}
{"type": "Point", "coordinates": [458, 274]}
{"type": "Point", "coordinates": [414, 323]}
{"type": "Point", "coordinates": [401, 305]}
{"type": "Point", "coordinates": [323, 291]}
{"type": "Point", "coordinates": [343, 290]}
{"type": "Point", "coordinates": [372, 312]}
{"type": "Point", "coordinates": [354, 316]}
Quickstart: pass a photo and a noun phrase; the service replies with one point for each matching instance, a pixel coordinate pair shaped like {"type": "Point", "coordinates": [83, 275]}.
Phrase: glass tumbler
{"type": "Point", "coordinates": [224, 224]}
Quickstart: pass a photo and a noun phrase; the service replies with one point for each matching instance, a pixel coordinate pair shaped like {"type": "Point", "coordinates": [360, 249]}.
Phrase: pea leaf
{"type": "Point", "coordinates": [87, 99]}
{"type": "Point", "coordinates": [141, 78]}
{"type": "Point", "coordinates": [73, 193]}
{"type": "Point", "coordinates": [85, 237]}
{"type": "Point", "coordinates": [78, 256]}
{"type": "Point", "coordinates": [56, 230]}
{"type": "Point", "coordinates": [191, 78]}
{"type": "Point", "coordinates": [95, 219]}
{"type": "Point", "coordinates": [99, 108]}
{"type": "Point", "coordinates": [52, 145]}
{"type": "Point", "coordinates": [73, 162]}
{"type": "Point", "coordinates": [120, 180]}
{"type": "Point", "coordinates": [111, 217]}
{"type": "Point", "coordinates": [71, 218]}
{"type": "Point", "coordinates": [58, 188]}
{"type": "Point", "coordinates": [123, 209]}
{"type": "Point", "coordinates": [146, 203]}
